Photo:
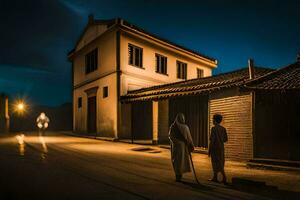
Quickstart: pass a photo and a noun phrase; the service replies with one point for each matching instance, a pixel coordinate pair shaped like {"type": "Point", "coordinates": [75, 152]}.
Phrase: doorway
{"type": "Point", "coordinates": [92, 114]}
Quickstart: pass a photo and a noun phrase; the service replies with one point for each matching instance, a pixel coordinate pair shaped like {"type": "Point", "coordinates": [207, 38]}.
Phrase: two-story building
{"type": "Point", "coordinates": [113, 57]}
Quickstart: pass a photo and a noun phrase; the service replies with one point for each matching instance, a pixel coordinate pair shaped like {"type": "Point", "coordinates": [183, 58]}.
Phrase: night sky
{"type": "Point", "coordinates": [37, 35]}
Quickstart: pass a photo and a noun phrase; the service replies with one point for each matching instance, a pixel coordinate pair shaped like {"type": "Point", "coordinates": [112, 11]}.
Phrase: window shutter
{"type": "Point", "coordinates": [185, 71]}
{"type": "Point", "coordinates": [135, 55]}
{"type": "Point", "coordinates": [157, 63]}
{"type": "Point", "coordinates": [141, 58]}
{"type": "Point", "coordinates": [178, 69]}
{"type": "Point", "coordinates": [96, 59]}
{"type": "Point", "coordinates": [165, 67]}
{"type": "Point", "coordinates": [130, 54]}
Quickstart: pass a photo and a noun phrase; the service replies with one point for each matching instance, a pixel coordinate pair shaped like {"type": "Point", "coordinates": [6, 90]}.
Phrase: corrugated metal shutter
{"type": "Point", "coordinates": [237, 119]}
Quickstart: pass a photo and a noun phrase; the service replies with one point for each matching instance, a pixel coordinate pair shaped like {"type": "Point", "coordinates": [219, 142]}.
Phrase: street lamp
{"type": "Point", "coordinates": [20, 107]}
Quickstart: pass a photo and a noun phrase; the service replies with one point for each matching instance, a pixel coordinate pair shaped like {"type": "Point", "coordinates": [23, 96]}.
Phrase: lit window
{"type": "Point", "coordinates": [161, 64]}
{"type": "Point", "coordinates": [91, 61]}
{"type": "Point", "coordinates": [181, 70]}
{"type": "Point", "coordinates": [105, 91]}
{"type": "Point", "coordinates": [200, 73]}
{"type": "Point", "coordinates": [79, 103]}
{"type": "Point", "coordinates": [135, 56]}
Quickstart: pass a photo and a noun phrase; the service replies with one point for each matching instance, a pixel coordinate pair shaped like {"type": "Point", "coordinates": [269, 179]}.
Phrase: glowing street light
{"type": "Point", "coordinates": [19, 107]}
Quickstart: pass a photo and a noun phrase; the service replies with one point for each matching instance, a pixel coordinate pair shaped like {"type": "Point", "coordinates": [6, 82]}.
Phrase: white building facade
{"type": "Point", "coordinates": [113, 57]}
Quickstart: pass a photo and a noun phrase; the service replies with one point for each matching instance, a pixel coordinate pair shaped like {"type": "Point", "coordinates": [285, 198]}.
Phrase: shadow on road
{"type": "Point", "coordinates": [261, 188]}
{"type": "Point", "coordinates": [197, 186]}
{"type": "Point", "coordinates": [258, 189]}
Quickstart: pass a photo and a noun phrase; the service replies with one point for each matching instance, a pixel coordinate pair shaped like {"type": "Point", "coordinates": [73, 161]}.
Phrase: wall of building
{"type": "Point", "coordinates": [105, 75]}
{"type": "Point", "coordinates": [131, 77]}
{"type": "Point", "coordinates": [136, 78]}
{"type": "Point", "coordinates": [106, 45]}
{"type": "Point", "coordinates": [90, 34]}
{"type": "Point", "coordinates": [106, 107]}
{"type": "Point", "coordinates": [236, 110]}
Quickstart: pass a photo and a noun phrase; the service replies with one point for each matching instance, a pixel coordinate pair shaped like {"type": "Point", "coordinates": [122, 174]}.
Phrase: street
{"type": "Point", "coordinates": [58, 166]}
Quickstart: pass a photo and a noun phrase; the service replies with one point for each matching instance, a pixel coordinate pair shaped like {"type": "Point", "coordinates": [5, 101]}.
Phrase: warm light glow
{"type": "Point", "coordinates": [44, 145]}
{"type": "Point", "coordinates": [20, 139]}
{"type": "Point", "coordinates": [20, 106]}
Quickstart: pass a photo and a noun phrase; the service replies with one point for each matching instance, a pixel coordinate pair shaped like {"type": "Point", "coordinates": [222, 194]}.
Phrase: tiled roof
{"type": "Point", "coordinates": [286, 78]}
{"type": "Point", "coordinates": [194, 86]}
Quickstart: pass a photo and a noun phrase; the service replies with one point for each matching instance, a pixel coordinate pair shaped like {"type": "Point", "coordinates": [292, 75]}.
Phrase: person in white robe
{"type": "Point", "coordinates": [181, 146]}
{"type": "Point", "coordinates": [42, 123]}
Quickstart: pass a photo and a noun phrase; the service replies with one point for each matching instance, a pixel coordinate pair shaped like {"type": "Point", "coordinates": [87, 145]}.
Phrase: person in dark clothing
{"type": "Point", "coordinates": [218, 137]}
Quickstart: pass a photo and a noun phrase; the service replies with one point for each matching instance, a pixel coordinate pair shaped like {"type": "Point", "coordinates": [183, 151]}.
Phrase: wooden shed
{"type": "Point", "coordinates": [276, 114]}
{"type": "Point", "coordinates": [199, 100]}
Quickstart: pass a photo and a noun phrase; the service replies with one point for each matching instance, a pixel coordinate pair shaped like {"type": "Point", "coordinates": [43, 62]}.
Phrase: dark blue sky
{"type": "Point", "coordinates": [37, 35]}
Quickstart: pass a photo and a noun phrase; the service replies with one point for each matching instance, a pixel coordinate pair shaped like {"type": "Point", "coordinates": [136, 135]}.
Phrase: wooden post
{"type": "Point", "coordinates": [154, 122]}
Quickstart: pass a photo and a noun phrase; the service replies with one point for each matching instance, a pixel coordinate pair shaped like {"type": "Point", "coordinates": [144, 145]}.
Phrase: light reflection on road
{"type": "Point", "coordinates": [44, 145]}
{"type": "Point", "coordinates": [20, 139]}
{"type": "Point", "coordinates": [41, 139]}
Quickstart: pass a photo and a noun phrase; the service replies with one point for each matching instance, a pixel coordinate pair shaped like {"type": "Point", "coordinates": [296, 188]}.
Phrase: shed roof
{"type": "Point", "coordinates": [286, 78]}
{"type": "Point", "coordinates": [194, 86]}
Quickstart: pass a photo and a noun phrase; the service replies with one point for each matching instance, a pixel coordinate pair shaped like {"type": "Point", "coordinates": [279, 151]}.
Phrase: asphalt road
{"type": "Point", "coordinates": [64, 167]}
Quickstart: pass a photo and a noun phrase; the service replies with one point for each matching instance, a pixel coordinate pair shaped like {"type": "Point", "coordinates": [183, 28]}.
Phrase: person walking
{"type": "Point", "coordinates": [181, 146]}
{"type": "Point", "coordinates": [218, 137]}
{"type": "Point", "coordinates": [42, 123]}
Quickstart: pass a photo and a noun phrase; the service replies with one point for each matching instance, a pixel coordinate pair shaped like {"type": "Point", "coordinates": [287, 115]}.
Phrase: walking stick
{"type": "Point", "coordinates": [193, 168]}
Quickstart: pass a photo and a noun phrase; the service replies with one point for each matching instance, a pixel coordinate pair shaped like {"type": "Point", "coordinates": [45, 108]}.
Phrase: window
{"type": "Point", "coordinates": [79, 102]}
{"type": "Point", "coordinates": [135, 56]}
{"type": "Point", "coordinates": [181, 70]}
{"type": "Point", "coordinates": [200, 73]}
{"type": "Point", "coordinates": [105, 91]}
{"type": "Point", "coordinates": [91, 61]}
{"type": "Point", "coordinates": [161, 64]}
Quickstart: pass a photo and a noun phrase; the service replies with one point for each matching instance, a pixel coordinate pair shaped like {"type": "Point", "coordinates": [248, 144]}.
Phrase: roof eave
{"type": "Point", "coordinates": [213, 62]}
{"type": "Point", "coordinates": [183, 93]}
{"type": "Point", "coordinates": [120, 23]}
{"type": "Point", "coordinates": [88, 25]}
